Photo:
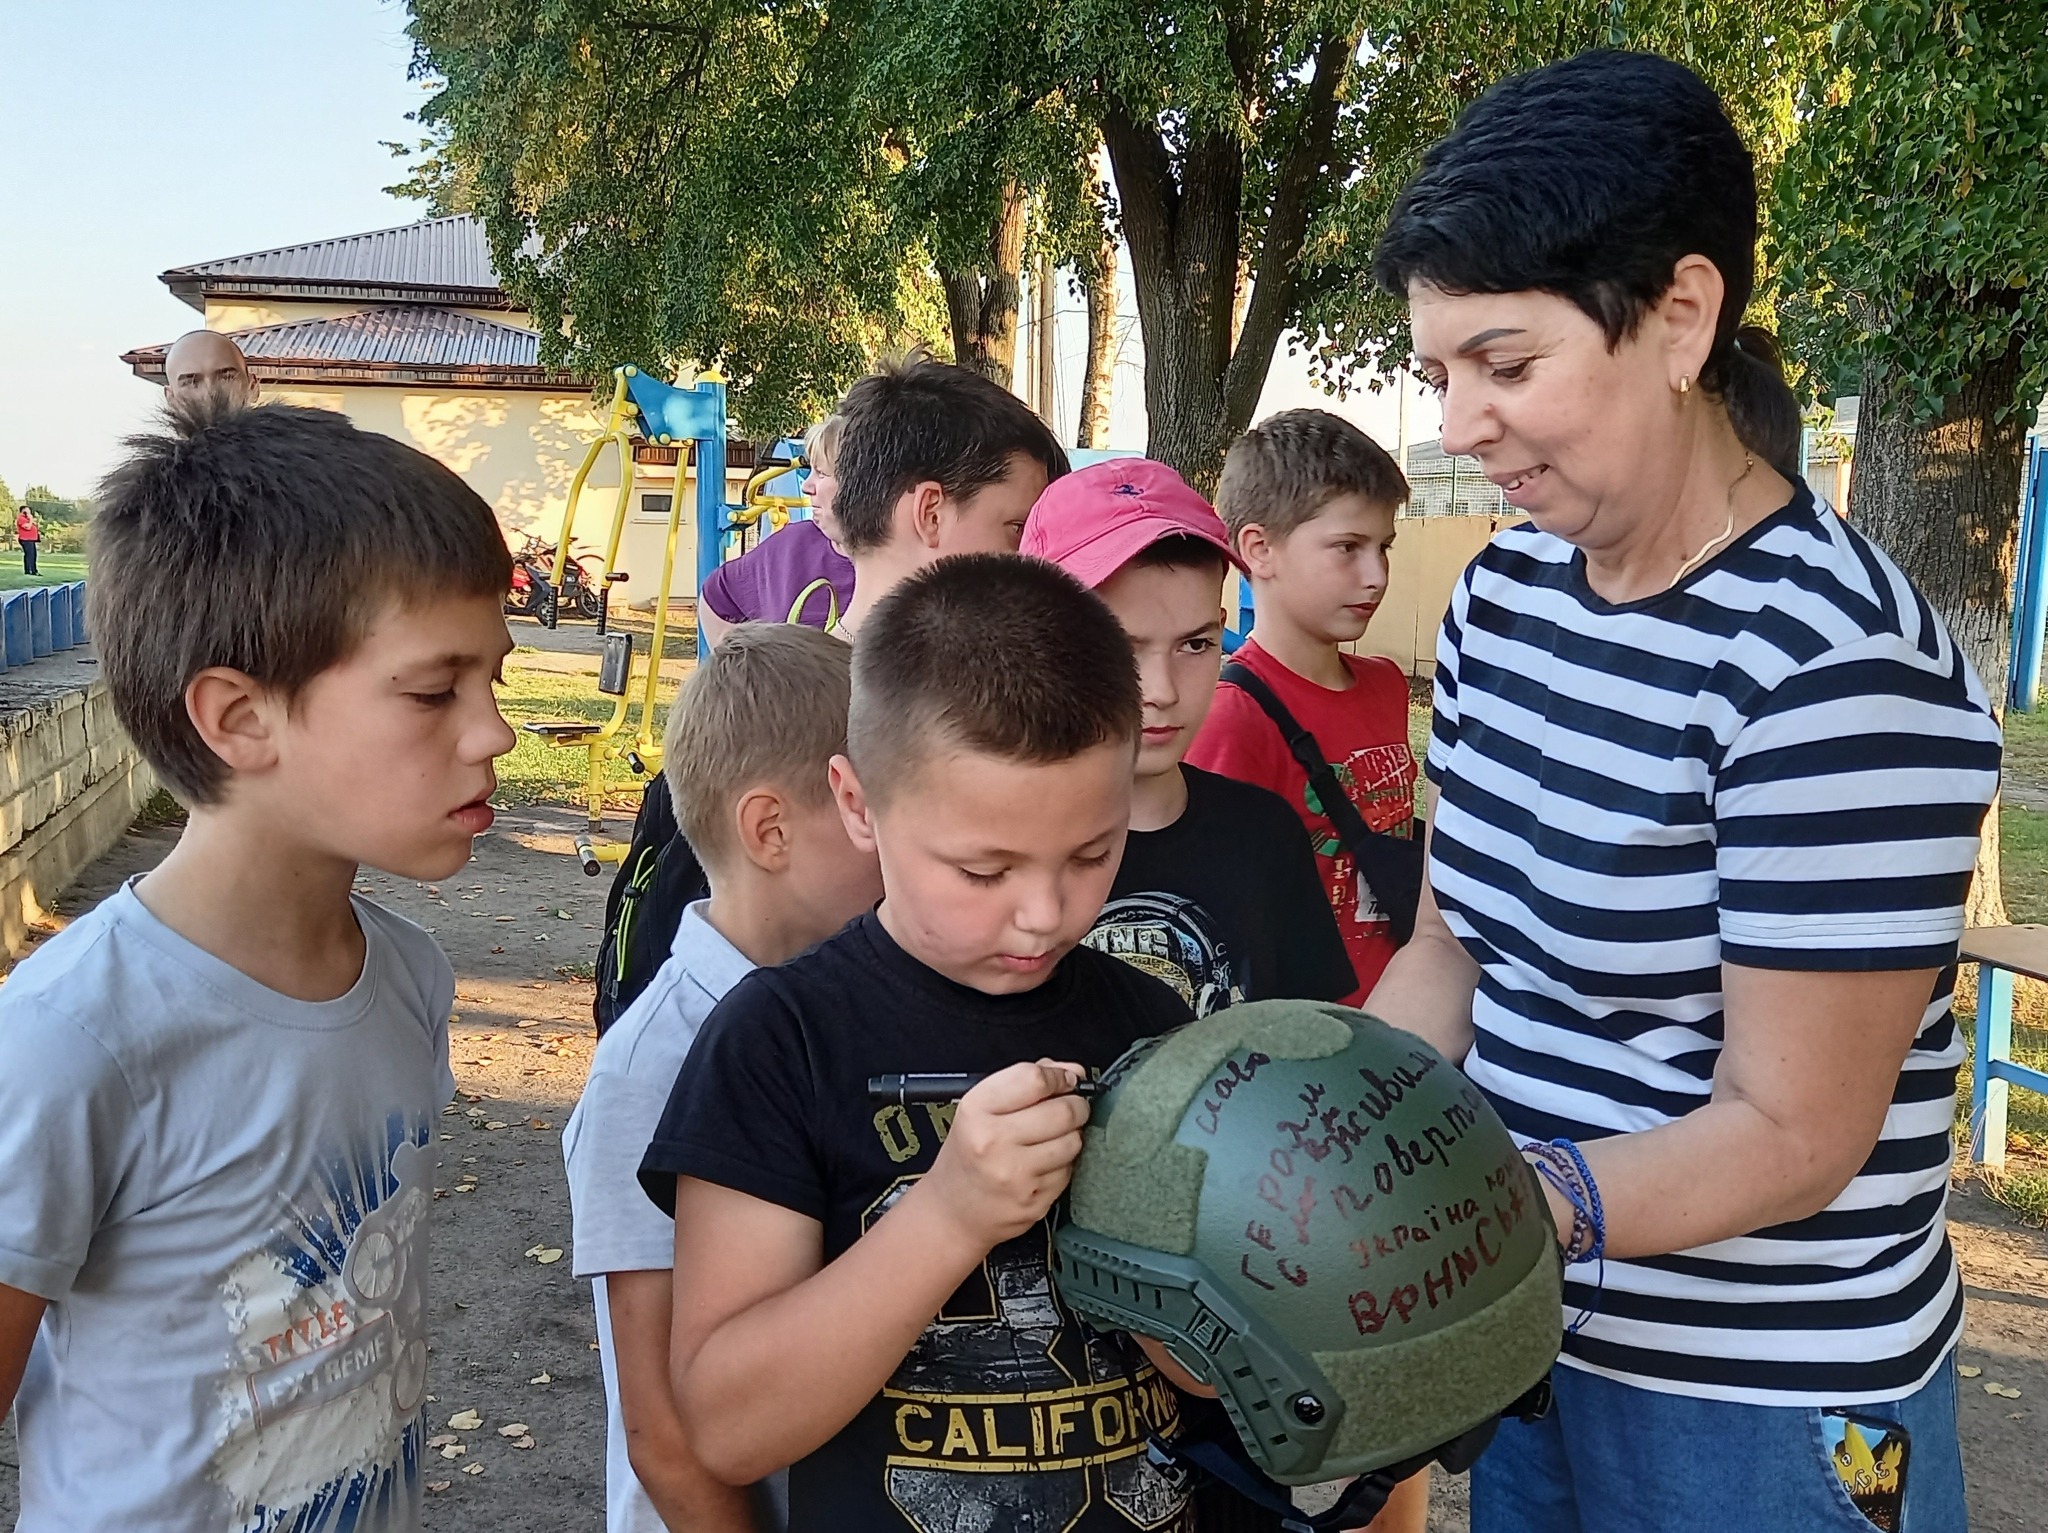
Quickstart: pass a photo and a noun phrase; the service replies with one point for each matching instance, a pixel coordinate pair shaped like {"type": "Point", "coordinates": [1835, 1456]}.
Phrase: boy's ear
{"type": "Point", "coordinates": [852, 800]}
{"type": "Point", "coordinates": [236, 717]}
{"type": "Point", "coordinates": [923, 506]}
{"type": "Point", "coordinates": [1256, 549]}
{"type": "Point", "coordinates": [761, 825]}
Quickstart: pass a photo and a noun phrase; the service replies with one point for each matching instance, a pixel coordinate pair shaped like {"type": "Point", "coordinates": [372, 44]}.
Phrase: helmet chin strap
{"type": "Point", "coordinates": [1218, 1453]}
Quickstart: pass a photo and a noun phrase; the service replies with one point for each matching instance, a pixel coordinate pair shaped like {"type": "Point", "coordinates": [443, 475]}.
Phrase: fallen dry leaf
{"type": "Point", "coordinates": [538, 1123]}
{"type": "Point", "coordinates": [494, 1124]}
{"type": "Point", "coordinates": [472, 1469]}
{"type": "Point", "coordinates": [474, 1113]}
{"type": "Point", "coordinates": [1969, 1370]}
{"type": "Point", "coordinates": [501, 918]}
{"type": "Point", "coordinates": [2003, 1391]}
{"type": "Point", "coordinates": [459, 1187]}
{"type": "Point", "coordinates": [465, 1421]}
{"type": "Point", "coordinates": [523, 1442]}
{"type": "Point", "coordinates": [454, 1450]}
{"type": "Point", "coordinates": [530, 1022]}
{"type": "Point", "coordinates": [471, 1096]}
{"type": "Point", "coordinates": [553, 1254]}
{"type": "Point", "coordinates": [443, 1440]}
{"type": "Point", "coordinates": [497, 950]}
{"type": "Point", "coordinates": [513, 1429]}
{"type": "Point", "coordinates": [437, 1486]}
{"type": "Point", "coordinates": [542, 1378]}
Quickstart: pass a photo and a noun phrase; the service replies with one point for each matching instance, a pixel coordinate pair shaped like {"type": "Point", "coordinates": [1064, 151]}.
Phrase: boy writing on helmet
{"type": "Point", "coordinates": [863, 1290]}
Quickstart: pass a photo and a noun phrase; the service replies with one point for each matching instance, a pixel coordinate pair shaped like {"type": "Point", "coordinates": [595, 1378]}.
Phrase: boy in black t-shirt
{"type": "Point", "coordinates": [864, 1290]}
{"type": "Point", "coordinates": [1218, 892]}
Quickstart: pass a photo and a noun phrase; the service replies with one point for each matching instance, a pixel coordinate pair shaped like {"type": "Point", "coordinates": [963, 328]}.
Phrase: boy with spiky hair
{"type": "Point", "coordinates": [864, 1290]}
{"type": "Point", "coordinates": [218, 1090]}
{"type": "Point", "coordinates": [932, 460]}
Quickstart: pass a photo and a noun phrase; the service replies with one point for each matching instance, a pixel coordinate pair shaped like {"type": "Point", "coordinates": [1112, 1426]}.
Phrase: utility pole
{"type": "Point", "coordinates": [1048, 362]}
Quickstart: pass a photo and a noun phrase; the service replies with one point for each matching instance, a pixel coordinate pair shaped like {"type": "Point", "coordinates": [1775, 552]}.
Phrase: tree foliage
{"type": "Point", "coordinates": [668, 175]}
{"type": "Point", "coordinates": [433, 175]}
{"type": "Point", "coordinates": [1914, 236]}
{"type": "Point", "coordinates": [1425, 62]}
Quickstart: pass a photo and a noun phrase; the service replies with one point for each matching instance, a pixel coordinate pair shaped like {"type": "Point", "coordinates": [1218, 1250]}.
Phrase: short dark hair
{"type": "Point", "coordinates": [1284, 470]}
{"type": "Point", "coordinates": [1592, 178]}
{"type": "Point", "coordinates": [914, 420]}
{"type": "Point", "coordinates": [1011, 657]}
{"type": "Point", "coordinates": [265, 540]}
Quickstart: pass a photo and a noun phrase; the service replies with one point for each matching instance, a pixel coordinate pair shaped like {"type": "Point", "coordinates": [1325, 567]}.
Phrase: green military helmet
{"type": "Point", "coordinates": [1323, 1219]}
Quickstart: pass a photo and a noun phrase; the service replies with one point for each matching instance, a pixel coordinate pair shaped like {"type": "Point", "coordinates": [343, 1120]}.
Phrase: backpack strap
{"type": "Point", "coordinates": [796, 608]}
{"type": "Point", "coordinates": [1390, 865]}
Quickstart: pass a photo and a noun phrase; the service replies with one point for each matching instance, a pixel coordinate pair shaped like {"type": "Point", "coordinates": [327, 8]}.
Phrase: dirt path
{"type": "Point", "coordinates": [513, 1336]}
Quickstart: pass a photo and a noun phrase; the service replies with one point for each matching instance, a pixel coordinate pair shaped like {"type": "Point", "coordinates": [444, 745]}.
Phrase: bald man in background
{"type": "Point", "coordinates": [204, 371]}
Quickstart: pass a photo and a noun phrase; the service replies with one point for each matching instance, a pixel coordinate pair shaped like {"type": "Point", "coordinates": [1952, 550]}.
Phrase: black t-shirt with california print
{"type": "Point", "coordinates": [1007, 1414]}
{"type": "Point", "coordinates": [1225, 904]}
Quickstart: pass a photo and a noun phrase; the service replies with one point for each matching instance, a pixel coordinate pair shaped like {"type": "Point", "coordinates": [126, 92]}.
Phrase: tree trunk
{"type": "Point", "coordinates": [1205, 365]}
{"type": "Point", "coordinates": [1942, 497]}
{"type": "Point", "coordinates": [981, 301]}
{"type": "Point", "coordinates": [1097, 381]}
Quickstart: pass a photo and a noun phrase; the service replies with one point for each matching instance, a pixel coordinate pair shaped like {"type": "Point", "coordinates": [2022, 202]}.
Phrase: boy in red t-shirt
{"type": "Point", "coordinates": [1310, 502]}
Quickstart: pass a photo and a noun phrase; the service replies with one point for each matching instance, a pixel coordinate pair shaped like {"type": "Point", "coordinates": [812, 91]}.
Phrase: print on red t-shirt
{"type": "Point", "coordinates": [1363, 731]}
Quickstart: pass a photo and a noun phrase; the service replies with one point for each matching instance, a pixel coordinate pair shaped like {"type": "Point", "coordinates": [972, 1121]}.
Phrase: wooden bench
{"type": "Point", "coordinates": [1999, 952]}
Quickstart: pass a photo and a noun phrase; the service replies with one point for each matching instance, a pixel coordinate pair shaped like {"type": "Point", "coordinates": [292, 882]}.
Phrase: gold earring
{"type": "Point", "coordinates": [1685, 383]}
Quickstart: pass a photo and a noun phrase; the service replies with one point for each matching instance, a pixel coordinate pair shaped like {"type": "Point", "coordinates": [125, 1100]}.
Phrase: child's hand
{"type": "Point", "coordinates": [1010, 1152]}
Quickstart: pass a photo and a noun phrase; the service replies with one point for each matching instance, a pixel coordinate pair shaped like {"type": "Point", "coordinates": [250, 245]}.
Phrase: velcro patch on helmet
{"type": "Point", "coordinates": [1133, 1180]}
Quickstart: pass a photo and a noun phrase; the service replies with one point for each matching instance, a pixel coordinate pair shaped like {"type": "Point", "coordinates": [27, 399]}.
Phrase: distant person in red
{"type": "Point", "coordinates": [29, 533]}
{"type": "Point", "coordinates": [797, 575]}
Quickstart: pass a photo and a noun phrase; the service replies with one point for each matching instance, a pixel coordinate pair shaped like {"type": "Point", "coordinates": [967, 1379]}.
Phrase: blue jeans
{"type": "Point", "coordinates": [1612, 1458]}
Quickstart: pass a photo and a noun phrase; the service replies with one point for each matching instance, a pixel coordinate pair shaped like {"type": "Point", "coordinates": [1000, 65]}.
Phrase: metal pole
{"type": "Point", "coordinates": [2030, 612]}
{"type": "Point", "coordinates": [711, 516]}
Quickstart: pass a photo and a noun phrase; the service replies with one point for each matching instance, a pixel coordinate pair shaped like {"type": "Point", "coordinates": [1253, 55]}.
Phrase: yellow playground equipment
{"type": "Point", "coordinates": [667, 416]}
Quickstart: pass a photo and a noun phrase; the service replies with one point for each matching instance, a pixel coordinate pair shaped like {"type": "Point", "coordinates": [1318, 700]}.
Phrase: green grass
{"type": "Point", "coordinates": [537, 772]}
{"type": "Point", "coordinates": [51, 570]}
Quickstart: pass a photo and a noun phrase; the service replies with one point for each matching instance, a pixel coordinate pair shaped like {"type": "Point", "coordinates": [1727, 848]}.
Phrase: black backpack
{"type": "Point", "coordinates": [1391, 865]}
{"type": "Point", "coordinates": [660, 878]}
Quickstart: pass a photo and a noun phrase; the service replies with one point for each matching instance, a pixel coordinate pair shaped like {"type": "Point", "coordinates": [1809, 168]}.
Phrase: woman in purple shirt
{"type": "Point", "coordinates": [797, 575]}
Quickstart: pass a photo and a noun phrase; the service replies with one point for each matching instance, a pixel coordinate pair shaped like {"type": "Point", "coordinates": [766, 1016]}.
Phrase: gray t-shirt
{"type": "Point", "coordinates": [222, 1192]}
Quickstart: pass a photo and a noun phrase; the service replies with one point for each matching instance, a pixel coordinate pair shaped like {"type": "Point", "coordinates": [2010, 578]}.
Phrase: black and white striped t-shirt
{"type": "Point", "coordinates": [1781, 762]}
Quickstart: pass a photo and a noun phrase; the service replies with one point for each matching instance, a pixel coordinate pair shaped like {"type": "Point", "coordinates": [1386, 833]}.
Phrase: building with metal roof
{"type": "Point", "coordinates": [409, 331]}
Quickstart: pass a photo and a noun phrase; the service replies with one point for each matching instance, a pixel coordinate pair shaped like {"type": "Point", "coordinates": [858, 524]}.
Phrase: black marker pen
{"type": "Point", "coordinates": [905, 1089]}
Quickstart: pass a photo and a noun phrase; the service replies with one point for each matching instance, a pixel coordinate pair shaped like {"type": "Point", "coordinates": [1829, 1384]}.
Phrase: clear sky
{"type": "Point", "coordinates": [146, 134]}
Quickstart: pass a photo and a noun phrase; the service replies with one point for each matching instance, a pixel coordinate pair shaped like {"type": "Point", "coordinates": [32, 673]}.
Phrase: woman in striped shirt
{"type": "Point", "coordinates": [1707, 779]}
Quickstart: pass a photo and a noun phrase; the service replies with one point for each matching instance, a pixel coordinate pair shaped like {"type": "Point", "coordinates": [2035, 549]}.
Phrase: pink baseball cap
{"type": "Point", "coordinates": [1093, 522]}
